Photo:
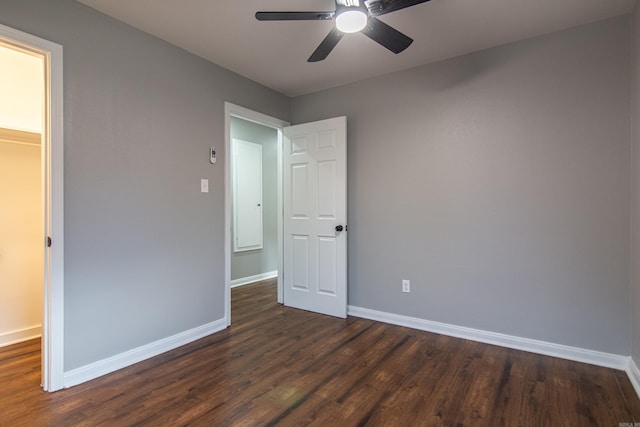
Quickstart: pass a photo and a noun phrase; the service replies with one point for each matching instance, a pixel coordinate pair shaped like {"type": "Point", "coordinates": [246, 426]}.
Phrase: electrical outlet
{"type": "Point", "coordinates": [406, 286]}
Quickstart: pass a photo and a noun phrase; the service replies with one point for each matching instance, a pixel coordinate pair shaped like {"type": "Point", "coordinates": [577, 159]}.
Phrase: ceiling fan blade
{"type": "Point", "coordinates": [387, 36]}
{"type": "Point", "coordinates": [326, 46]}
{"type": "Point", "coordinates": [294, 16]}
{"type": "Point", "coordinates": [380, 7]}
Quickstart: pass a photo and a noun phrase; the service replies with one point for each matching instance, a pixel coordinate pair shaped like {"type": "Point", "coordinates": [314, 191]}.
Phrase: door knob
{"type": "Point", "coordinates": [339, 228]}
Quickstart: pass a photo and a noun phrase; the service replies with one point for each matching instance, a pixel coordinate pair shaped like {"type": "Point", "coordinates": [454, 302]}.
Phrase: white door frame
{"type": "Point", "coordinates": [268, 121]}
{"type": "Point", "coordinates": [53, 202]}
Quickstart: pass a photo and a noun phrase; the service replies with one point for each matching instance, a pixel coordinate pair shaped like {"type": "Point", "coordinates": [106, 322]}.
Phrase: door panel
{"type": "Point", "coordinates": [299, 191]}
{"type": "Point", "coordinates": [327, 256]}
{"type": "Point", "coordinates": [315, 160]}
{"type": "Point", "coordinates": [300, 262]}
{"type": "Point", "coordinates": [326, 189]}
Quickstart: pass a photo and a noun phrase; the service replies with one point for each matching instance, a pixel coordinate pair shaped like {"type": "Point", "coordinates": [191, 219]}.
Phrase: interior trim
{"type": "Point", "coordinates": [634, 375]}
{"type": "Point", "coordinates": [53, 190]}
{"type": "Point", "coordinates": [14, 136]}
{"type": "Point", "coordinates": [21, 335]}
{"type": "Point", "coordinates": [253, 279]}
{"type": "Point", "coordinates": [608, 360]}
{"type": "Point", "coordinates": [128, 358]}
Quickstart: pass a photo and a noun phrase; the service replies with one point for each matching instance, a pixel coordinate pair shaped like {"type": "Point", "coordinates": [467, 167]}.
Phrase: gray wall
{"type": "Point", "coordinates": [144, 249]}
{"type": "Point", "coordinates": [265, 260]}
{"type": "Point", "coordinates": [498, 183]}
{"type": "Point", "coordinates": [635, 271]}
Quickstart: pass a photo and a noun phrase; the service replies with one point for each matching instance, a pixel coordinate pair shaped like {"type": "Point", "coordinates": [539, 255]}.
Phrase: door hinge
{"type": "Point", "coordinates": [48, 241]}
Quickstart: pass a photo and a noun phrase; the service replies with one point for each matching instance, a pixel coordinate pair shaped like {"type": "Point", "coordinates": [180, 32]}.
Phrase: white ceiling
{"type": "Point", "coordinates": [275, 53]}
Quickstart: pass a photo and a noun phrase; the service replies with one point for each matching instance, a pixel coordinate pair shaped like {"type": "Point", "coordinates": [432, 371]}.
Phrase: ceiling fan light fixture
{"type": "Point", "coordinates": [352, 16]}
{"type": "Point", "coordinates": [351, 20]}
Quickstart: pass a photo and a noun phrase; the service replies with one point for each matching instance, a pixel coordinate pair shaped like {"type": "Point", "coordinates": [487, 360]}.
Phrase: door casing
{"type": "Point", "coordinates": [268, 121]}
{"type": "Point", "coordinates": [53, 201]}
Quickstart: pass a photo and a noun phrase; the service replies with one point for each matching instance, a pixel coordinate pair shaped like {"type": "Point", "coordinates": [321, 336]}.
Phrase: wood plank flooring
{"type": "Point", "coordinates": [281, 366]}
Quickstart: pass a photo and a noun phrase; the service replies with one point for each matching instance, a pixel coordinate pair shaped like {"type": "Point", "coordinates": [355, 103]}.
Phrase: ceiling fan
{"type": "Point", "coordinates": [352, 16]}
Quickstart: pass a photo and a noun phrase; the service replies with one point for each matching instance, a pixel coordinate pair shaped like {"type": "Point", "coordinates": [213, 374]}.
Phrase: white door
{"type": "Point", "coordinates": [315, 214]}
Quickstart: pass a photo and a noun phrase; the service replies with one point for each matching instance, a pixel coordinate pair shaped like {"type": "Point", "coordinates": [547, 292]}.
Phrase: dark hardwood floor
{"type": "Point", "coordinates": [282, 366]}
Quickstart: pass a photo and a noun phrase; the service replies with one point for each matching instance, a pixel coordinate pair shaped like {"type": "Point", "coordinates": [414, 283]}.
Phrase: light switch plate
{"type": "Point", "coordinates": [204, 185]}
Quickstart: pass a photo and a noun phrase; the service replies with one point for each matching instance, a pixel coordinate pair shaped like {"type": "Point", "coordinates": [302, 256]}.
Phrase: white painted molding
{"type": "Point", "coordinates": [252, 279]}
{"type": "Point", "coordinates": [265, 120]}
{"type": "Point", "coordinates": [128, 358]}
{"type": "Point", "coordinates": [280, 285]}
{"type": "Point", "coordinates": [53, 190]}
{"type": "Point", "coordinates": [634, 375]}
{"type": "Point", "coordinates": [15, 337]}
{"type": "Point", "coordinates": [577, 354]}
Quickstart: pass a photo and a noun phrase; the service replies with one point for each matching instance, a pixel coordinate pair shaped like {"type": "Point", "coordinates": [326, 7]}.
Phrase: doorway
{"type": "Point", "coordinates": [258, 262]}
{"type": "Point", "coordinates": [21, 218]}
{"type": "Point", "coordinates": [254, 210]}
{"type": "Point", "coordinates": [50, 183]}
{"type": "Point", "coordinates": [312, 212]}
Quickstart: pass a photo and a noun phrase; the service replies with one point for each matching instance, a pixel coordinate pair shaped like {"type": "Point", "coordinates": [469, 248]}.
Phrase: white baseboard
{"type": "Point", "coordinates": [14, 337]}
{"type": "Point", "coordinates": [252, 279]}
{"type": "Point", "coordinates": [608, 360]}
{"type": "Point", "coordinates": [119, 361]}
{"type": "Point", "coordinates": [634, 375]}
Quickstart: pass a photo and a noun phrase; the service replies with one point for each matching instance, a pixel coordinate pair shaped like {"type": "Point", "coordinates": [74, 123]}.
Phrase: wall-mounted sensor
{"type": "Point", "coordinates": [212, 155]}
